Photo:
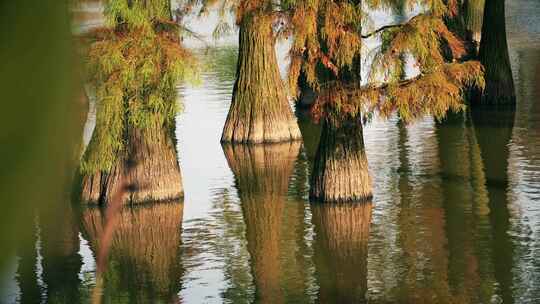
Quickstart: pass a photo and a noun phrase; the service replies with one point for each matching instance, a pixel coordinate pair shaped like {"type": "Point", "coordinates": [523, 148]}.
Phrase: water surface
{"type": "Point", "coordinates": [455, 216]}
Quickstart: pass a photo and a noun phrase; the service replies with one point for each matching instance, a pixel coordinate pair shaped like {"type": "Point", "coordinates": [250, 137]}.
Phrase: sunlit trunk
{"type": "Point", "coordinates": [340, 170]}
{"type": "Point", "coordinates": [260, 111]}
{"type": "Point", "coordinates": [341, 239]}
{"type": "Point", "coordinates": [494, 56]}
{"type": "Point", "coordinates": [262, 175]}
{"type": "Point", "coordinates": [474, 14]}
{"type": "Point", "coordinates": [141, 261]}
{"type": "Point", "coordinates": [148, 171]}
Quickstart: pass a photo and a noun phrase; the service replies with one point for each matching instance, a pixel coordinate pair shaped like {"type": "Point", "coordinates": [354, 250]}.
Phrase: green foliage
{"type": "Point", "coordinates": [135, 70]}
{"type": "Point", "coordinates": [136, 13]}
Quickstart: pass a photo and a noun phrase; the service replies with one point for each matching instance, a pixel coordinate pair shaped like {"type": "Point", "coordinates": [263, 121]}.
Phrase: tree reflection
{"type": "Point", "coordinates": [142, 263]}
{"type": "Point", "coordinates": [342, 232]}
{"type": "Point", "coordinates": [61, 259]}
{"type": "Point", "coordinates": [494, 129]}
{"type": "Point", "coordinates": [262, 175]}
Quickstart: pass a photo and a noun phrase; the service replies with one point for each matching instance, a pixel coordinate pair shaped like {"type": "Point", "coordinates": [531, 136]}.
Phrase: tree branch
{"type": "Point", "coordinates": [384, 28]}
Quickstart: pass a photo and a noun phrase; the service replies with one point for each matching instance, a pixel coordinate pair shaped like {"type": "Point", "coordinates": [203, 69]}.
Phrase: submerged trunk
{"type": "Point", "coordinates": [340, 170]}
{"type": "Point", "coordinates": [147, 172]}
{"type": "Point", "coordinates": [494, 56]}
{"type": "Point", "coordinates": [262, 175]}
{"type": "Point", "coordinates": [341, 239]}
{"type": "Point", "coordinates": [260, 111]}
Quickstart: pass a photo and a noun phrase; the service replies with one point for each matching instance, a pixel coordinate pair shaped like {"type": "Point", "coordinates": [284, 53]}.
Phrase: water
{"type": "Point", "coordinates": [455, 216]}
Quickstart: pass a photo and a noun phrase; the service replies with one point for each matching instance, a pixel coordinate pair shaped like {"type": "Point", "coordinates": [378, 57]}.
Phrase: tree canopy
{"type": "Point", "coordinates": [328, 36]}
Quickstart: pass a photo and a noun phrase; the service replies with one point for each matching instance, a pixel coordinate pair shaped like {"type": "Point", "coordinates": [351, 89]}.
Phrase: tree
{"type": "Point", "coordinates": [135, 64]}
{"type": "Point", "coordinates": [494, 56]}
{"type": "Point", "coordinates": [260, 110]}
{"type": "Point", "coordinates": [343, 102]}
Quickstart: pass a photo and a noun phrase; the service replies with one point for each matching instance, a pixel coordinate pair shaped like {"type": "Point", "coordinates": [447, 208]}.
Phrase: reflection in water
{"type": "Point", "coordinates": [27, 272]}
{"type": "Point", "coordinates": [342, 232]}
{"type": "Point", "coordinates": [61, 260]}
{"type": "Point", "coordinates": [455, 216]}
{"type": "Point", "coordinates": [143, 264]}
{"type": "Point", "coordinates": [262, 175]}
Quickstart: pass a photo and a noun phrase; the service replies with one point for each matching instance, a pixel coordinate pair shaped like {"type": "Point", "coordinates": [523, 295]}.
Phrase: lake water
{"type": "Point", "coordinates": [455, 216]}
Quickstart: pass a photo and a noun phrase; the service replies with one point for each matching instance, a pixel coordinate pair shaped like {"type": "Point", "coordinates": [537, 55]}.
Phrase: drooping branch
{"type": "Point", "coordinates": [432, 93]}
{"type": "Point", "coordinates": [384, 28]}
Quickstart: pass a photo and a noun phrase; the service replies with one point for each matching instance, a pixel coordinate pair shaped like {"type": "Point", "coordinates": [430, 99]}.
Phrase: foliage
{"type": "Point", "coordinates": [427, 94]}
{"type": "Point", "coordinates": [328, 35]}
{"type": "Point", "coordinates": [135, 65]}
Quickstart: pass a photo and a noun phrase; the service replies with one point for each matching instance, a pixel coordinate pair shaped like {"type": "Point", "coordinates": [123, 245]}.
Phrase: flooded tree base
{"type": "Point", "coordinates": [148, 172]}
{"type": "Point", "coordinates": [260, 111]}
{"type": "Point", "coordinates": [340, 171]}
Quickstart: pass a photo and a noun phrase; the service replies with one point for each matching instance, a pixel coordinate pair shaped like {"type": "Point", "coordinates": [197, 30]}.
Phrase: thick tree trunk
{"type": "Point", "coordinates": [341, 239]}
{"type": "Point", "coordinates": [147, 172]}
{"type": "Point", "coordinates": [142, 258]}
{"type": "Point", "coordinates": [340, 170]}
{"type": "Point", "coordinates": [494, 56]}
{"type": "Point", "coordinates": [474, 14]}
{"type": "Point", "coordinates": [260, 111]}
{"type": "Point", "coordinates": [262, 175]}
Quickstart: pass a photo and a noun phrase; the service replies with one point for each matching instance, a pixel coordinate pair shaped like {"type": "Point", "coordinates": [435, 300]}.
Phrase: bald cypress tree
{"type": "Point", "coordinates": [135, 63]}
{"type": "Point", "coordinates": [260, 111]}
{"type": "Point", "coordinates": [330, 34]}
{"type": "Point", "coordinates": [494, 56]}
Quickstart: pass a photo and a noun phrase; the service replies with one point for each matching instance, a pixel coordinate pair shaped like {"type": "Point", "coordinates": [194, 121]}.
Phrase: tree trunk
{"type": "Point", "coordinates": [494, 56]}
{"type": "Point", "coordinates": [262, 175]}
{"type": "Point", "coordinates": [341, 239]}
{"type": "Point", "coordinates": [260, 111]}
{"type": "Point", "coordinates": [340, 170]}
{"type": "Point", "coordinates": [147, 172]}
{"type": "Point", "coordinates": [474, 13]}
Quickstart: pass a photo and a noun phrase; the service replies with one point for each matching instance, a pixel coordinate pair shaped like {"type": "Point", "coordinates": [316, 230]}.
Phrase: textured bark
{"type": "Point", "coordinates": [260, 111]}
{"type": "Point", "coordinates": [144, 251]}
{"type": "Point", "coordinates": [340, 170]}
{"type": "Point", "coordinates": [494, 56]}
{"type": "Point", "coordinates": [148, 172]}
{"type": "Point", "coordinates": [474, 14]}
{"type": "Point", "coordinates": [342, 233]}
{"type": "Point", "coordinates": [262, 176]}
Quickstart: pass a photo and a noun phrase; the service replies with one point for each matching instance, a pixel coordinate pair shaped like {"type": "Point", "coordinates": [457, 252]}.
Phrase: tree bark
{"type": "Point", "coordinates": [494, 56]}
{"type": "Point", "coordinates": [474, 14]}
{"type": "Point", "coordinates": [260, 111]}
{"type": "Point", "coordinates": [148, 171]}
{"type": "Point", "coordinates": [340, 170]}
{"type": "Point", "coordinates": [341, 239]}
